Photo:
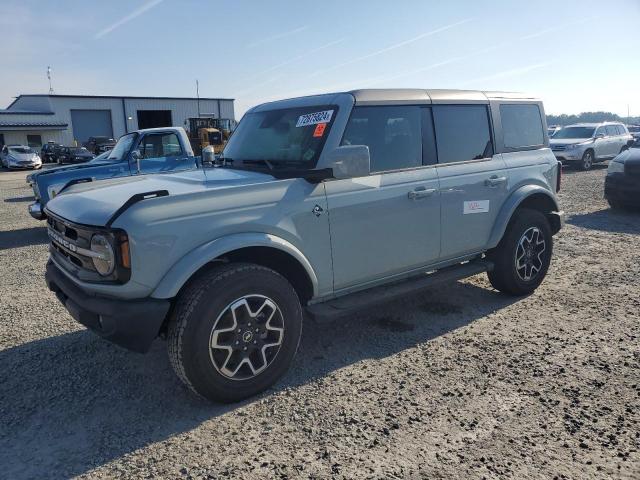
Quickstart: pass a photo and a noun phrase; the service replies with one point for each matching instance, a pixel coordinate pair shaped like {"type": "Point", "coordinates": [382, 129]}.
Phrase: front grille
{"type": "Point", "coordinates": [558, 148]}
{"type": "Point", "coordinates": [76, 236]}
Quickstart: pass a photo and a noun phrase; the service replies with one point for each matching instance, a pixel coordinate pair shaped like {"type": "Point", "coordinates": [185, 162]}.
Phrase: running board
{"type": "Point", "coordinates": [338, 307]}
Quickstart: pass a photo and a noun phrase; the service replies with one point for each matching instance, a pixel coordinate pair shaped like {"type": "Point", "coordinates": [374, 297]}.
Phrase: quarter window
{"type": "Point", "coordinates": [521, 125]}
{"type": "Point", "coordinates": [393, 135]}
{"type": "Point", "coordinates": [462, 132]}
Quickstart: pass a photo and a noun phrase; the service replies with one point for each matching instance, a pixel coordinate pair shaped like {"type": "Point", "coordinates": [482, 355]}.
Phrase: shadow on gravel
{"type": "Point", "coordinates": [608, 220]}
{"type": "Point", "coordinates": [23, 238]}
{"type": "Point", "coordinates": [30, 198]}
{"type": "Point", "coordinates": [74, 402]}
{"type": "Point", "coordinates": [568, 169]}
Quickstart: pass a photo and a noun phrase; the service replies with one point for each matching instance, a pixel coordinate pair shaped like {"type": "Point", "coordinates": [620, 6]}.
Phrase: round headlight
{"type": "Point", "coordinates": [106, 260]}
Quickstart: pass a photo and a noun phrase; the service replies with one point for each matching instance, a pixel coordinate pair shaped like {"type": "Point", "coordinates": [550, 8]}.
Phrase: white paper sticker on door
{"type": "Point", "coordinates": [476, 206]}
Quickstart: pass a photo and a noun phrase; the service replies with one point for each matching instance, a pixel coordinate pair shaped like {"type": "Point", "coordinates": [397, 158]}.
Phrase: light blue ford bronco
{"type": "Point", "coordinates": [321, 205]}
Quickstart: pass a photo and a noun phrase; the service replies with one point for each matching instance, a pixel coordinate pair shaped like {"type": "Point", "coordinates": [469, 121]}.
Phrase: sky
{"type": "Point", "coordinates": [577, 55]}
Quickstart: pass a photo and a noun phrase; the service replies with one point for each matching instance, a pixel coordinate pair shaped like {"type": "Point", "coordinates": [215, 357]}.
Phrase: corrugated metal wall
{"type": "Point", "coordinates": [122, 120]}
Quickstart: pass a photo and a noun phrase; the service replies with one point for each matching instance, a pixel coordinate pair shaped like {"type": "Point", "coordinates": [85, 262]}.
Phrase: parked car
{"type": "Point", "coordinates": [98, 145]}
{"type": "Point", "coordinates": [19, 156]}
{"type": "Point", "coordinates": [634, 130]}
{"type": "Point", "coordinates": [137, 153]}
{"type": "Point", "coordinates": [47, 152]}
{"type": "Point", "coordinates": [328, 204]}
{"type": "Point", "coordinates": [584, 144]}
{"type": "Point", "coordinates": [622, 183]}
{"type": "Point", "coordinates": [73, 155]}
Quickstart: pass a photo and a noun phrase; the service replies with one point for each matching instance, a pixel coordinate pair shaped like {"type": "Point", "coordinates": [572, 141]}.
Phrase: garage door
{"type": "Point", "coordinates": [91, 123]}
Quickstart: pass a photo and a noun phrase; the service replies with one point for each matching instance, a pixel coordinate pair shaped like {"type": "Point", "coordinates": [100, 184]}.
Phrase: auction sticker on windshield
{"type": "Point", "coordinates": [314, 118]}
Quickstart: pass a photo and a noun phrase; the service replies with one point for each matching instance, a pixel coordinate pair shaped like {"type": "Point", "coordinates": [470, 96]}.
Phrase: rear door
{"type": "Point", "coordinates": [615, 141]}
{"type": "Point", "coordinates": [386, 223]}
{"type": "Point", "coordinates": [160, 152]}
{"type": "Point", "coordinates": [473, 180]}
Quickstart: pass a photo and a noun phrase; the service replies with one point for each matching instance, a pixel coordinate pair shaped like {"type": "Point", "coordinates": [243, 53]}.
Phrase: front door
{"type": "Point", "coordinates": [160, 152]}
{"type": "Point", "coordinates": [473, 181]}
{"type": "Point", "coordinates": [388, 222]}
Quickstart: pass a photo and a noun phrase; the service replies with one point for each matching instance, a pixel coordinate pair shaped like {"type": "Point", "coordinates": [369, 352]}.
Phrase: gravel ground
{"type": "Point", "coordinates": [460, 382]}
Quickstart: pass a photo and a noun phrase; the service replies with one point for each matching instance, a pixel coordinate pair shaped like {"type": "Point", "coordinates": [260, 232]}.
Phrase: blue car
{"type": "Point", "coordinates": [154, 150]}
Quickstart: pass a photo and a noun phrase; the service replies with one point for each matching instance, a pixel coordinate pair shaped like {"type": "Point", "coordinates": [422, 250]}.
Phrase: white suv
{"type": "Point", "coordinates": [587, 143]}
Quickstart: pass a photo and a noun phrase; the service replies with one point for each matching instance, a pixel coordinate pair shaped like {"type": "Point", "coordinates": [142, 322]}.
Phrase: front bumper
{"type": "Point", "coordinates": [36, 211]}
{"type": "Point", "coordinates": [132, 324]}
{"type": "Point", "coordinates": [571, 155]}
{"type": "Point", "coordinates": [622, 188]}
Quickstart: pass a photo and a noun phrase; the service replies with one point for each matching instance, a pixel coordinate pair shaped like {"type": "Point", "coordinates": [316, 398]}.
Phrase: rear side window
{"type": "Point", "coordinates": [393, 135]}
{"type": "Point", "coordinates": [521, 125]}
{"type": "Point", "coordinates": [611, 130]}
{"type": "Point", "coordinates": [621, 130]}
{"type": "Point", "coordinates": [462, 132]}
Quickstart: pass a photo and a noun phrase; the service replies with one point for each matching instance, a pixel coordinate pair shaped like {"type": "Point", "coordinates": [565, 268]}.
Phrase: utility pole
{"type": "Point", "coordinates": [628, 115]}
{"type": "Point", "coordinates": [49, 77]}
{"type": "Point", "coordinates": [198, 96]}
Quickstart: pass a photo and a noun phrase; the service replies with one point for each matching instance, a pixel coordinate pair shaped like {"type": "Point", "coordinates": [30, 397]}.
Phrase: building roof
{"type": "Point", "coordinates": [125, 97]}
{"type": "Point", "coordinates": [51, 125]}
{"type": "Point", "coordinates": [24, 112]}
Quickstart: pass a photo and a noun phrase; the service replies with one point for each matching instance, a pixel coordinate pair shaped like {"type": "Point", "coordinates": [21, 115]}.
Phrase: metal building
{"type": "Point", "coordinates": [36, 119]}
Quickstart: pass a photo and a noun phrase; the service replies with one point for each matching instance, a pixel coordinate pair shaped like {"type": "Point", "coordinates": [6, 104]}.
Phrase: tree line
{"type": "Point", "coordinates": [590, 117]}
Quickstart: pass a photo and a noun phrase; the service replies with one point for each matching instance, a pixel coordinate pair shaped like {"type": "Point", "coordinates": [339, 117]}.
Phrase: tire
{"type": "Point", "coordinates": [207, 313]}
{"type": "Point", "coordinates": [526, 226]}
{"type": "Point", "coordinates": [587, 160]}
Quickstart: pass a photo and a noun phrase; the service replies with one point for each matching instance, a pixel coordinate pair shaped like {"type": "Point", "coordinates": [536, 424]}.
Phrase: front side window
{"type": "Point", "coordinates": [521, 125]}
{"type": "Point", "coordinates": [393, 135]}
{"type": "Point", "coordinates": [285, 138]}
{"type": "Point", "coordinates": [612, 130]}
{"type": "Point", "coordinates": [601, 131]}
{"type": "Point", "coordinates": [161, 145]}
{"type": "Point", "coordinates": [462, 132]}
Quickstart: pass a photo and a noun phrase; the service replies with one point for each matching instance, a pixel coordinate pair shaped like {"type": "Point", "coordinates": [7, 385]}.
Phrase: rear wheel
{"type": "Point", "coordinates": [522, 257]}
{"type": "Point", "coordinates": [587, 160]}
{"type": "Point", "coordinates": [235, 331]}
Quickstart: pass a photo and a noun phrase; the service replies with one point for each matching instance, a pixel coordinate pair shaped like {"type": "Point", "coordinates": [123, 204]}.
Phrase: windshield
{"type": "Point", "coordinates": [102, 157]}
{"type": "Point", "coordinates": [21, 150]}
{"type": "Point", "coordinates": [122, 148]}
{"type": "Point", "coordinates": [291, 137]}
{"type": "Point", "coordinates": [574, 132]}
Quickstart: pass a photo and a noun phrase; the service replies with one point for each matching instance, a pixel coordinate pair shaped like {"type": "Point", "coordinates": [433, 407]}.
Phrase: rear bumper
{"type": "Point", "coordinates": [132, 324]}
{"type": "Point", "coordinates": [622, 188]}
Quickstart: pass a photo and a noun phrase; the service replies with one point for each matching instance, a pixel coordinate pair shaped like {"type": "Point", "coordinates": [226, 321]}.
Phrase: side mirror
{"type": "Point", "coordinates": [350, 161]}
{"type": "Point", "coordinates": [135, 155]}
{"type": "Point", "coordinates": [599, 135]}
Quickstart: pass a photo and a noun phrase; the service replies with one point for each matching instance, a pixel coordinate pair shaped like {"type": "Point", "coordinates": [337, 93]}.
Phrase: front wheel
{"type": "Point", "coordinates": [522, 257]}
{"type": "Point", "coordinates": [587, 160]}
{"type": "Point", "coordinates": [235, 331]}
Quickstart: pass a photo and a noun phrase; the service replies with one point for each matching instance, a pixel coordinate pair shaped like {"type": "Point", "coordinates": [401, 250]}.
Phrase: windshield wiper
{"type": "Point", "coordinates": [260, 161]}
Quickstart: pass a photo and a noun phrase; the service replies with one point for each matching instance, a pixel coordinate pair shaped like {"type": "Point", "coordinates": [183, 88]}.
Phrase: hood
{"type": "Point", "coordinates": [68, 168]}
{"type": "Point", "coordinates": [95, 203]}
{"type": "Point", "coordinates": [23, 156]}
{"type": "Point", "coordinates": [568, 141]}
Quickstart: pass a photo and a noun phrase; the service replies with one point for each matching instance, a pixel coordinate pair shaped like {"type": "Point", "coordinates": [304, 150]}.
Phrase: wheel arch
{"type": "Point", "coordinates": [260, 248]}
{"type": "Point", "coordinates": [528, 196]}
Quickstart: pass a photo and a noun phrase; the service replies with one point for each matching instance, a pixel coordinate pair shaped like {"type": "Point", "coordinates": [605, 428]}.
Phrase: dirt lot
{"type": "Point", "coordinates": [460, 382]}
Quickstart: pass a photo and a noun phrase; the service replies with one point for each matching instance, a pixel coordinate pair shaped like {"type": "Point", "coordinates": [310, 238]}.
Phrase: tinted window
{"type": "Point", "coordinates": [612, 130]}
{"type": "Point", "coordinates": [521, 126]}
{"type": "Point", "coordinates": [393, 135]}
{"type": "Point", "coordinates": [462, 132]}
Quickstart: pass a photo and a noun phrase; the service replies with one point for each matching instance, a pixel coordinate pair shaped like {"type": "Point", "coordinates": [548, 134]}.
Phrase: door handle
{"type": "Point", "coordinates": [494, 181]}
{"type": "Point", "coordinates": [421, 192]}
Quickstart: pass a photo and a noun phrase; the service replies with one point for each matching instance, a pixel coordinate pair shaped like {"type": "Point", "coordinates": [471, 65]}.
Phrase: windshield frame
{"type": "Point", "coordinates": [558, 134]}
{"type": "Point", "coordinates": [281, 165]}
